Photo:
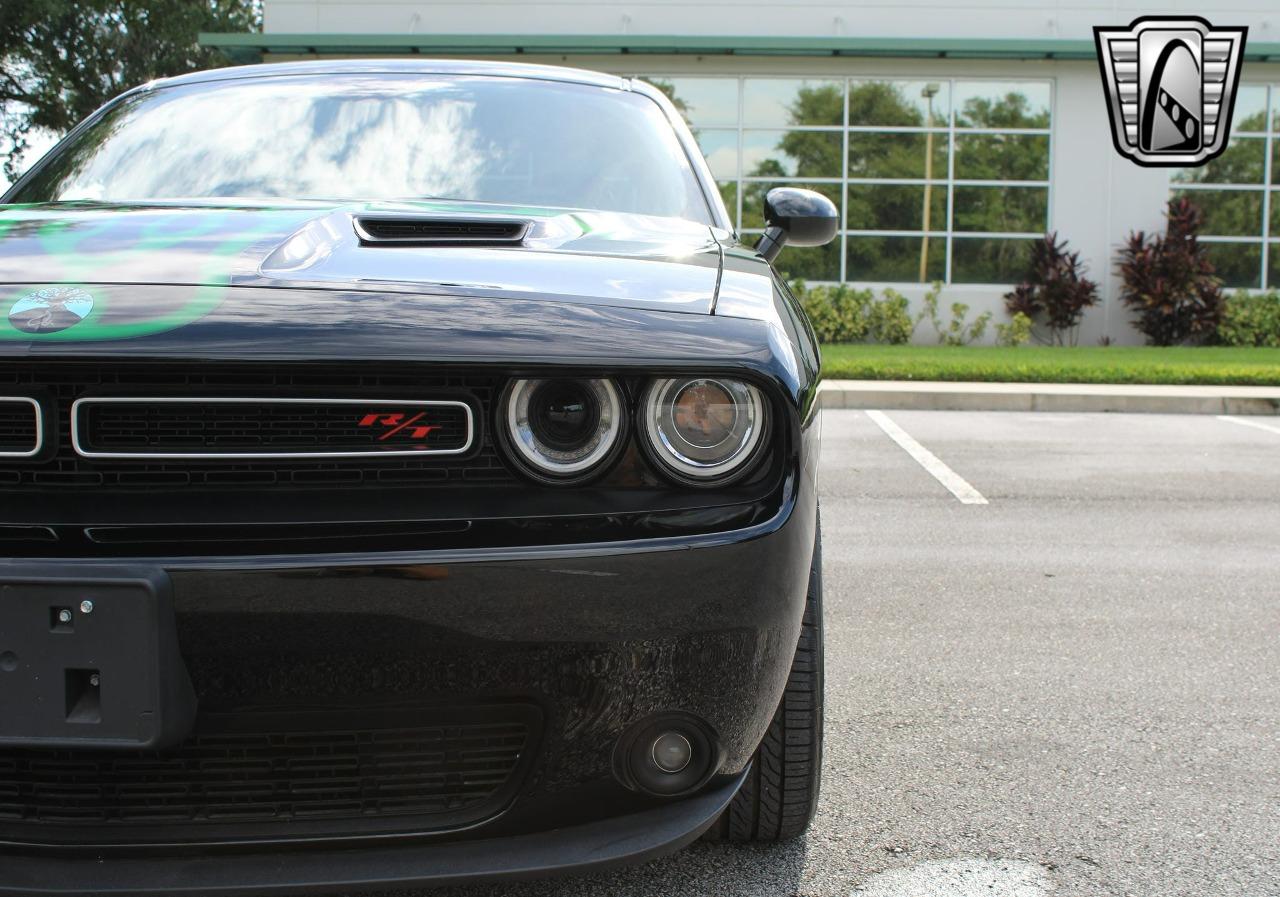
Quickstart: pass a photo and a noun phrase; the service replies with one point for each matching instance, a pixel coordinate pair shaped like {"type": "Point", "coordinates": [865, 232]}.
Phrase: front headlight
{"type": "Point", "coordinates": [703, 430]}
{"type": "Point", "coordinates": [563, 430]}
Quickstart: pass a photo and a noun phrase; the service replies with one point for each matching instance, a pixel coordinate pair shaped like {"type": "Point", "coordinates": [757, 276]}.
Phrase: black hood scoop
{"type": "Point", "coordinates": [416, 230]}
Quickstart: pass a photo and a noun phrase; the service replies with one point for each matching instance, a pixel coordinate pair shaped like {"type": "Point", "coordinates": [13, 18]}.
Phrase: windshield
{"type": "Point", "coordinates": [381, 137]}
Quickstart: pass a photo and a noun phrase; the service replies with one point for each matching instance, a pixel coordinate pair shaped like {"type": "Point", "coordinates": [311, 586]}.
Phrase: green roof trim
{"type": "Point", "coordinates": [246, 47]}
{"type": "Point", "coordinates": [251, 47]}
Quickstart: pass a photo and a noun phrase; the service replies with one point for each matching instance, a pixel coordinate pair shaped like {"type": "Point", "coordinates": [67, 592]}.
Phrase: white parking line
{"type": "Point", "coordinates": [928, 460]}
{"type": "Point", "coordinates": [1245, 422]}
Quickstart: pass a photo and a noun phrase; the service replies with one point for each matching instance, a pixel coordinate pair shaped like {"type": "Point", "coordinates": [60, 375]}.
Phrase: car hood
{"type": "Point", "coordinates": [593, 258]}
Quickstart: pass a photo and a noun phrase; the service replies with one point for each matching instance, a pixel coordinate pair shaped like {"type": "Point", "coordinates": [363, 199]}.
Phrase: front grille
{"type": "Point", "coordinates": [218, 427]}
{"type": "Point", "coordinates": [125, 430]}
{"type": "Point", "coordinates": [255, 775]}
{"type": "Point", "coordinates": [19, 427]}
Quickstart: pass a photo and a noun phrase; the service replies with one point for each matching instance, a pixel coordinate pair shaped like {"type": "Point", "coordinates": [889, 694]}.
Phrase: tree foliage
{"type": "Point", "coordinates": [62, 59]}
{"type": "Point", "coordinates": [888, 155]}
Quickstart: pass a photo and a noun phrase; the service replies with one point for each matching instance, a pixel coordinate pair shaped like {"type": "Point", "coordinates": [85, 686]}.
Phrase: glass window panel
{"type": "Point", "coordinates": [1242, 162]}
{"type": "Point", "coordinates": [1238, 264]}
{"type": "Point", "coordinates": [896, 155]}
{"type": "Point", "coordinates": [1273, 266]}
{"type": "Point", "coordinates": [729, 193]}
{"type": "Point", "coordinates": [753, 198]}
{"type": "Point", "coordinates": [1275, 214]}
{"type": "Point", "coordinates": [1002, 104]}
{"type": "Point", "coordinates": [808, 154]}
{"type": "Point", "coordinates": [900, 103]}
{"type": "Point", "coordinates": [989, 260]}
{"type": "Point", "coordinates": [1275, 161]}
{"type": "Point", "coordinates": [1002, 157]}
{"type": "Point", "coordinates": [721, 150]}
{"type": "Point", "coordinates": [387, 136]}
{"type": "Point", "coordinates": [1251, 109]}
{"type": "Point", "coordinates": [777, 103]}
{"type": "Point", "coordinates": [1228, 213]}
{"type": "Point", "coordinates": [896, 207]}
{"type": "Point", "coordinates": [1003, 210]}
{"type": "Point", "coordinates": [704, 102]}
{"type": "Point", "coordinates": [808, 263]}
{"type": "Point", "coordinates": [895, 259]}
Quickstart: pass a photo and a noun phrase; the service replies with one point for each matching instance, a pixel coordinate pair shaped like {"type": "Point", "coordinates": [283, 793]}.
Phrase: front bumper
{"type": "Point", "coordinates": [631, 838]}
{"type": "Point", "coordinates": [593, 638]}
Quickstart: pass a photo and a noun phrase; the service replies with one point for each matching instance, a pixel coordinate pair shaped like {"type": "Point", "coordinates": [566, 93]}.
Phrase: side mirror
{"type": "Point", "coordinates": [799, 217]}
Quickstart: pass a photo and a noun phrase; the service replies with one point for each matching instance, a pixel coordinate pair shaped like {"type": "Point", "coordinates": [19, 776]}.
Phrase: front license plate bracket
{"type": "Point", "coordinates": [90, 659]}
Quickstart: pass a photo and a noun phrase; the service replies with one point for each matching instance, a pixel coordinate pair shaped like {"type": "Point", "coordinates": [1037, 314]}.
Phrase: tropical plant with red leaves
{"type": "Point", "coordinates": [1169, 282]}
{"type": "Point", "coordinates": [1055, 292]}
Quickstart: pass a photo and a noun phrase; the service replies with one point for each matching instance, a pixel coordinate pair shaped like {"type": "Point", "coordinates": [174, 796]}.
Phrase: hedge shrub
{"type": "Point", "coordinates": [844, 314]}
{"type": "Point", "coordinates": [1251, 319]}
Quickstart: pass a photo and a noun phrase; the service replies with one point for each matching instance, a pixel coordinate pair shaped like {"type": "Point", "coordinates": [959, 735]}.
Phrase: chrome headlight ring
{"type": "Point", "coordinates": [703, 430]}
{"type": "Point", "coordinates": [563, 430]}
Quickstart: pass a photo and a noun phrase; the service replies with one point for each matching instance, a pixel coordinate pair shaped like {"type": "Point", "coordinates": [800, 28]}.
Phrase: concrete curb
{"type": "Point", "coordinates": [1084, 397]}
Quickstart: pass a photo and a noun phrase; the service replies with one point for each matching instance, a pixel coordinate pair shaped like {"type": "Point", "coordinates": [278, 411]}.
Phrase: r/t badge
{"type": "Point", "coordinates": [1171, 88]}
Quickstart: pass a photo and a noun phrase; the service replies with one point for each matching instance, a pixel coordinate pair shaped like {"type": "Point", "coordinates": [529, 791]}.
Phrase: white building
{"type": "Point", "coordinates": [950, 133]}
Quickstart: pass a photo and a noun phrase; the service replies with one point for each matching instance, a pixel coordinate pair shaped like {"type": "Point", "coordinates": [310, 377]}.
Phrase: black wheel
{"type": "Point", "coordinates": [778, 799]}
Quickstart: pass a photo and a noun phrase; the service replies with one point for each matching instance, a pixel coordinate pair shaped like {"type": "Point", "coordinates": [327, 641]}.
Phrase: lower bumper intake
{"type": "Point", "coordinates": [620, 840]}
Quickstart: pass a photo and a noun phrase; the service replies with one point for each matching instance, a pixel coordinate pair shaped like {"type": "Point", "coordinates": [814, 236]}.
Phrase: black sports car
{"type": "Point", "coordinates": [407, 477]}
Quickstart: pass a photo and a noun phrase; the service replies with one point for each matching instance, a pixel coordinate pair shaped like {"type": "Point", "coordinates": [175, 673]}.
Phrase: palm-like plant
{"type": "Point", "coordinates": [1169, 281]}
{"type": "Point", "coordinates": [1055, 292]}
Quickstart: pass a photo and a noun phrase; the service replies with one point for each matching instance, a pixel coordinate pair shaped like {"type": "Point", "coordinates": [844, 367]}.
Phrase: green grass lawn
{"type": "Point", "coordinates": [1042, 364]}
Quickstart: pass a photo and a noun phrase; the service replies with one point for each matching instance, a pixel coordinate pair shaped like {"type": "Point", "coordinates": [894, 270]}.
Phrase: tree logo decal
{"type": "Point", "coordinates": [50, 310]}
{"type": "Point", "coordinates": [1170, 85]}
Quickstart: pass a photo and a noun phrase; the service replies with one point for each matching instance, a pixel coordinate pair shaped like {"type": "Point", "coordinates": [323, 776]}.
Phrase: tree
{"type": "Point", "coordinates": [669, 89]}
{"type": "Point", "coordinates": [1233, 212]}
{"type": "Point", "coordinates": [816, 156]}
{"type": "Point", "coordinates": [809, 154]}
{"type": "Point", "coordinates": [62, 59]}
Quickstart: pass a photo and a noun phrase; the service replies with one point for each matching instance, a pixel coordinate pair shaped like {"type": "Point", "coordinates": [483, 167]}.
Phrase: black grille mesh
{"type": "Point", "coordinates": [17, 426]}
{"type": "Point", "coordinates": [211, 426]}
{"type": "Point", "coordinates": [62, 383]}
{"type": "Point", "coordinates": [428, 231]}
{"type": "Point", "coordinates": [454, 770]}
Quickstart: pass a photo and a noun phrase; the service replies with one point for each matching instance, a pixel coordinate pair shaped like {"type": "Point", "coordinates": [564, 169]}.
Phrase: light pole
{"type": "Point", "coordinates": [929, 92]}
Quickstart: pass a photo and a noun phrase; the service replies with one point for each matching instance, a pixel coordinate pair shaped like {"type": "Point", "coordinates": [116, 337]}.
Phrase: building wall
{"type": "Point", "coordinates": [905, 18]}
{"type": "Point", "coordinates": [1096, 197]}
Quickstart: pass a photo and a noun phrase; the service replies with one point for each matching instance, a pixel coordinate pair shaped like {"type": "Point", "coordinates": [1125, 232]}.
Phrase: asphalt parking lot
{"type": "Point", "coordinates": [1072, 689]}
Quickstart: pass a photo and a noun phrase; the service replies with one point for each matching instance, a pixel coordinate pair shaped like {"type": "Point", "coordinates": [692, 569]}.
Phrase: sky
{"type": "Point", "coordinates": [39, 143]}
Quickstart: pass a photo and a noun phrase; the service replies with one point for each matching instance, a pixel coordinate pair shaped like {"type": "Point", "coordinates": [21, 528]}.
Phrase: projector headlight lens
{"type": "Point", "coordinates": [703, 429]}
{"type": "Point", "coordinates": [563, 429]}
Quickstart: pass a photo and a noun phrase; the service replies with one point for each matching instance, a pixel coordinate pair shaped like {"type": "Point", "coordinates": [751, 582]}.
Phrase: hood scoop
{"type": "Point", "coordinates": [418, 230]}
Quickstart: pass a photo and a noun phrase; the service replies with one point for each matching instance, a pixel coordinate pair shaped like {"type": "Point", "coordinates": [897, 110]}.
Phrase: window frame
{"type": "Point", "coordinates": [946, 181]}
{"type": "Point", "coordinates": [1265, 240]}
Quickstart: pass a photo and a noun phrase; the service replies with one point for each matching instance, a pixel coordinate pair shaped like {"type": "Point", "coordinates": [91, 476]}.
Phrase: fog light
{"type": "Point", "coordinates": [667, 755]}
{"type": "Point", "coordinates": [671, 752]}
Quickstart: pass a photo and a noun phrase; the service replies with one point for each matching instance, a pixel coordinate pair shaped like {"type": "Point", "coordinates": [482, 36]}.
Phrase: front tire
{"type": "Point", "coordinates": [778, 799]}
